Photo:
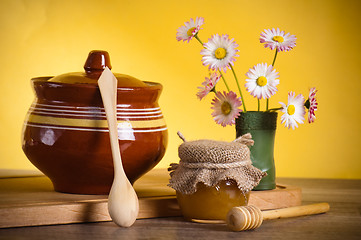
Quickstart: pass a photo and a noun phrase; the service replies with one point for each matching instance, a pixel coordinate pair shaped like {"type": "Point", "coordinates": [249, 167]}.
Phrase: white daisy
{"type": "Point", "coordinates": [208, 85]}
{"type": "Point", "coordinates": [219, 52]}
{"type": "Point", "coordinates": [226, 108]}
{"type": "Point", "coordinates": [274, 38]}
{"type": "Point", "coordinates": [262, 82]}
{"type": "Point", "coordinates": [190, 29]}
{"type": "Point", "coordinates": [294, 111]}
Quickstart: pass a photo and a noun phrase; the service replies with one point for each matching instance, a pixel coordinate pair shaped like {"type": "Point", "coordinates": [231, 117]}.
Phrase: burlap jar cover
{"type": "Point", "coordinates": [210, 161]}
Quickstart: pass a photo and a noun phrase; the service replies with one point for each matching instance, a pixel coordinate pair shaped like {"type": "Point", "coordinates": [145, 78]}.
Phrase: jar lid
{"type": "Point", "coordinates": [211, 151]}
{"type": "Point", "coordinates": [95, 64]}
{"type": "Point", "coordinates": [209, 162]}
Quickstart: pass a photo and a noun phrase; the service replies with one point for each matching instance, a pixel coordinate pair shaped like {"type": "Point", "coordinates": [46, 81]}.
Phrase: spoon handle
{"type": "Point", "coordinates": [296, 211]}
{"type": "Point", "coordinates": [110, 102]}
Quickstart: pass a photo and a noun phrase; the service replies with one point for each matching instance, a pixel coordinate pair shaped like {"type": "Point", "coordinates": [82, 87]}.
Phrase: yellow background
{"type": "Point", "coordinates": [42, 37]}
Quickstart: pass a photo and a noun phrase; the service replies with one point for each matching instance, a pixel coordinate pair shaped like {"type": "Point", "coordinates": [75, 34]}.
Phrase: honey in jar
{"type": "Point", "coordinates": [211, 204]}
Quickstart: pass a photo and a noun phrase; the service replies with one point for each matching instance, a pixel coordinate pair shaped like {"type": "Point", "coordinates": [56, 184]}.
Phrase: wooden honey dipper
{"type": "Point", "coordinates": [251, 217]}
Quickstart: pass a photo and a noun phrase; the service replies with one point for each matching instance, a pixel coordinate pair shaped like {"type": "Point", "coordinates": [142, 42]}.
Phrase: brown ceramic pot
{"type": "Point", "coordinates": [66, 134]}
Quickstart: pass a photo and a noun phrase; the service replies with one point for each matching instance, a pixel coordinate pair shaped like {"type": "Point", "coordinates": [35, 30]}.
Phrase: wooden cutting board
{"type": "Point", "coordinates": [31, 201]}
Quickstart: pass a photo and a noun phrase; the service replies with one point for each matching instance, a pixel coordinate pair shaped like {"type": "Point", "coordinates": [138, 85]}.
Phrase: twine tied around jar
{"type": "Point", "coordinates": [209, 162]}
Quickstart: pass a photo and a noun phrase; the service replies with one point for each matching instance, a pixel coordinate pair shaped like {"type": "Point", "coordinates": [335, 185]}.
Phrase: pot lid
{"type": "Point", "coordinates": [95, 64]}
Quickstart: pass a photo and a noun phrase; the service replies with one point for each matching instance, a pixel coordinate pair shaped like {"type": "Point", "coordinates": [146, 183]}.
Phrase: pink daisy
{"type": "Point", "coordinates": [311, 105]}
{"type": "Point", "coordinates": [190, 29]}
{"type": "Point", "coordinates": [208, 85]}
{"type": "Point", "coordinates": [226, 108]}
{"type": "Point", "coordinates": [274, 38]}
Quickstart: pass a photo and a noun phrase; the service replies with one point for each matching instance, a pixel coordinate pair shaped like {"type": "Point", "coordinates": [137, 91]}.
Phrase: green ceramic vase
{"type": "Point", "coordinates": [262, 127]}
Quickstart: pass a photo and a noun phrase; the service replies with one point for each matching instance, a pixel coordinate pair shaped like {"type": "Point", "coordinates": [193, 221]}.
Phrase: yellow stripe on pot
{"type": "Point", "coordinates": [73, 122]}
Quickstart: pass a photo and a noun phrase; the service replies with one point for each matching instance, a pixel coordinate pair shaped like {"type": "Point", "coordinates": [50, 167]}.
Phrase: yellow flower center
{"type": "Point", "coordinates": [226, 108]}
{"type": "Point", "coordinates": [190, 31]}
{"type": "Point", "coordinates": [278, 39]}
{"type": "Point", "coordinates": [261, 81]}
{"type": "Point", "coordinates": [220, 53]}
{"type": "Point", "coordinates": [291, 109]}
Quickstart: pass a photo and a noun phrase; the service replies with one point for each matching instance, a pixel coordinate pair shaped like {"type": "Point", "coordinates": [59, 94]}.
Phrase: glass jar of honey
{"type": "Point", "coordinates": [211, 204]}
{"type": "Point", "coordinates": [212, 177]}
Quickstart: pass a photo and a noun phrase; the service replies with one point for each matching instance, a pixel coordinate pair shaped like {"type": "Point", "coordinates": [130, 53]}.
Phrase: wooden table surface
{"type": "Point", "coordinates": [343, 221]}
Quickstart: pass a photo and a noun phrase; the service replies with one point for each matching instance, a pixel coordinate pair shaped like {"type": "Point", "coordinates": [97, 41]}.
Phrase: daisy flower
{"type": "Point", "coordinates": [219, 52]}
{"type": "Point", "coordinates": [294, 111]}
{"type": "Point", "coordinates": [262, 82]}
{"type": "Point", "coordinates": [226, 108]}
{"type": "Point", "coordinates": [311, 105]}
{"type": "Point", "coordinates": [208, 85]}
{"type": "Point", "coordinates": [274, 38]}
{"type": "Point", "coordinates": [190, 29]}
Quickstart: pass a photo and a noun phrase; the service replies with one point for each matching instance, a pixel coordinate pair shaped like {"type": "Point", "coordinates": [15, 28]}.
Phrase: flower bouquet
{"type": "Point", "coordinates": [219, 54]}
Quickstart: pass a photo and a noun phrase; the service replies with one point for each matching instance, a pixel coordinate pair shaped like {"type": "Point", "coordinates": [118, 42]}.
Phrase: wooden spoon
{"type": "Point", "coordinates": [123, 205]}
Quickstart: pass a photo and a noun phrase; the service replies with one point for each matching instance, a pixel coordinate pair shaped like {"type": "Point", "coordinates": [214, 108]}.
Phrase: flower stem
{"type": "Point", "coordinates": [239, 88]}
{"type": "Point", "coordinates": [224, 80]}
{"type": "Point", "coordinates": [258, 104]}
{"type": "Point", "coordinates": [273, 64]}
{"type": "Point", "coordinates": [196, 37]}
{"type": "Point", "coordinates": [274, 109]}
{"type": "Point", "coordinates": [274, 59]}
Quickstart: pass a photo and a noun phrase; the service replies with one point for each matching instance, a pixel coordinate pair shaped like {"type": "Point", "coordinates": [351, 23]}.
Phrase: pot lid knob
{"type": "Point", "coordinates": [96, 62]}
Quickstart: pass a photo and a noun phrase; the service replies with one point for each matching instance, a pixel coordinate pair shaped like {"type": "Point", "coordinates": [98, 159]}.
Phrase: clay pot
{"type": "Point", "coordinates": [66, 134]}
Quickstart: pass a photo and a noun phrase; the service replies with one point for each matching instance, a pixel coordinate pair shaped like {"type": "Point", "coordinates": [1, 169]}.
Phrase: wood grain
{"type": "Point", "coordinates": [32, 201]}
{"type": "Point", "coordinates": [281, 197]}
{"type": "Point", "coordinates": [343, 221]}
